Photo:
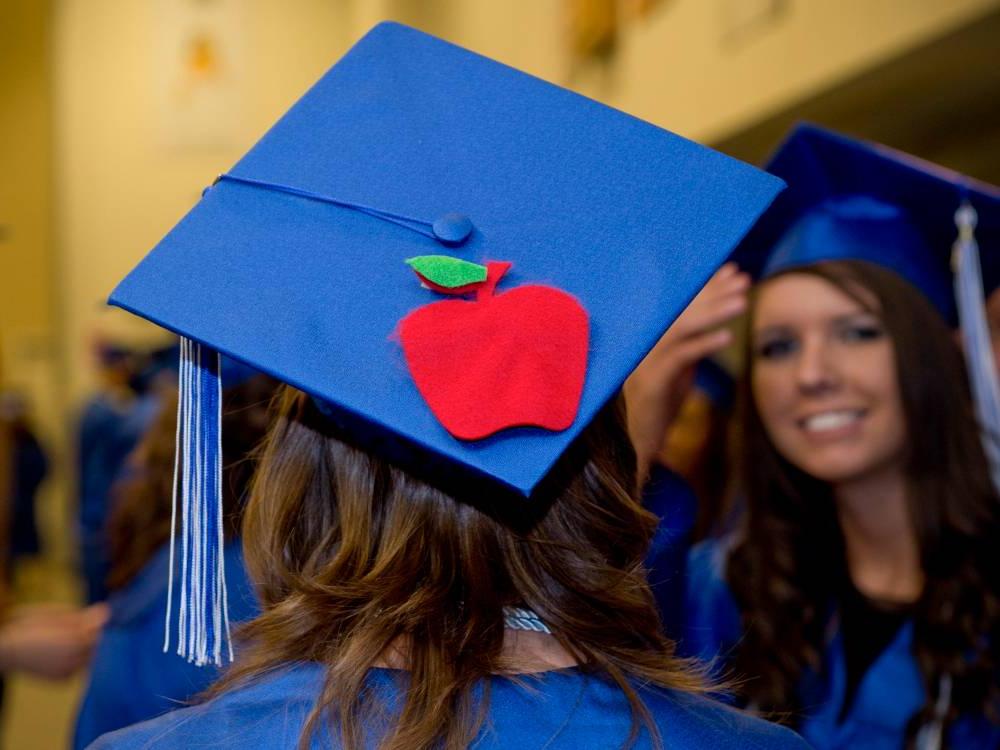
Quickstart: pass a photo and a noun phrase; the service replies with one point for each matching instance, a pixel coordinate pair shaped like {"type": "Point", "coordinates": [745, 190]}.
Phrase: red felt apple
{"type": "Point", "coordinates": [512, 359]}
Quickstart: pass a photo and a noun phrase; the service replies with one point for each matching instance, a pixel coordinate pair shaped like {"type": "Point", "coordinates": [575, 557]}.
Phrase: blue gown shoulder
{"type": "Point", "coordinates": [669, 497]}
{"type": "Point", "coordinates": [131, 679]}
{"type": "Point", "coordinates": [889, 694]}
{"type": "Point", "coordinates": [567, 710]}
{"type": "Point", "coordinates": [712, 618]}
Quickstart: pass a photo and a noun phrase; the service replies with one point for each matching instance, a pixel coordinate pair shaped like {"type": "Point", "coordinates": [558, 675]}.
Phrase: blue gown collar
{"type": "Point", "coordinates": [889, 694]}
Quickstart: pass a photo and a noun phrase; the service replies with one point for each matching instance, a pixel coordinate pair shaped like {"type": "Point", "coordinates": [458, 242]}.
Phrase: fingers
{"type": "Point", "coordinates": [659, 384]}
{"type": "Point", "coordinates": [717, 311]}
{"type": "Point", "coordinates": [695, 348]}
{"type": "Point", "coordinates": [95, 616]}
{"type": "Point", "coordinates": [723, 298]}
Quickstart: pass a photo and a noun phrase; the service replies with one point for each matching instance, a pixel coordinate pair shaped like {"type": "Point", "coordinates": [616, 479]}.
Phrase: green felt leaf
{"type": "Point", "coordinates": [446, 271]}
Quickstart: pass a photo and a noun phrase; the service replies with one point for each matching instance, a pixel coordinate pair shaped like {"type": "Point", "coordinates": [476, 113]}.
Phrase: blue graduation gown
{"type": "Point", "coordinates": [131, 679]}
{"type": "Point", "coordinates": [108, 433]}
{"type": "Point", "coordinates": [890, 693]}
{"type": "Point", "coordinates": [560, 709]}
{"type": "Point", "coordinates": [668, 496]}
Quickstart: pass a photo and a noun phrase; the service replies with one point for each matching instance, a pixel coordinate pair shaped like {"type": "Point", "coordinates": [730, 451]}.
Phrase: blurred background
{"type": "Point", "coordinates": [115, 114]}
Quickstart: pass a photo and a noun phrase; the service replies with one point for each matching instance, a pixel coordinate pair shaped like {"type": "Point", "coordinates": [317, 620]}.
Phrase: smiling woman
{"type": "Point", "coordinates": [868, 486]}
{"type": "Point", "coordinates": [870, 520]}
{"type": "Point", "coordinates": [860, 598]}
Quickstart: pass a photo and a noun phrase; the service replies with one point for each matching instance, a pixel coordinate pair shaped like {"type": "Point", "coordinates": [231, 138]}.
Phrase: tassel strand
{"type": "Point", "coordinates": [976, 335]}
{"type": "Point", "coordinates": [203, 613]}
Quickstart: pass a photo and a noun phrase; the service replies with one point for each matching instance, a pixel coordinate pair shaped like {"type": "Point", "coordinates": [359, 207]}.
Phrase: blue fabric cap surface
{"type": "Point", "coordinates": [630, 219]}
{"type": "Point", "coordinates": [849, 199]}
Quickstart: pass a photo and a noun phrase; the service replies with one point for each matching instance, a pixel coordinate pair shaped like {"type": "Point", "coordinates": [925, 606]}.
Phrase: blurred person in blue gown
{"type": "Point", "coordinates": [47, 641]}
{"type": "Point", "coordinates": [26, 465]}
{"type": "Point", "coordinates": [134, 386]}
{"type": "Point", "coordinates": [103, 442]}
{"type": "Point", "coordinates": [859, 600]}
{"type": "Point", "coordinates": [139, 532]}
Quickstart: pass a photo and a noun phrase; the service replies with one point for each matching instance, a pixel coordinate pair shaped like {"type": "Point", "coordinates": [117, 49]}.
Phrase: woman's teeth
{"type": "Point", "coordinates": [831, 420]}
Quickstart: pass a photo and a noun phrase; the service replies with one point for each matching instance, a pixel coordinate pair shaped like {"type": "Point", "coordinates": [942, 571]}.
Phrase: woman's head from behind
{"type": "Point", "coordinates": [852, 374]}
{"type": "Point", "coordinates": [357, 559]}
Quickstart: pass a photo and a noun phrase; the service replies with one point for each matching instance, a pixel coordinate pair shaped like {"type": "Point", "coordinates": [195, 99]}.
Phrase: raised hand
{"type": "Point", "coordinates": [657, 387]}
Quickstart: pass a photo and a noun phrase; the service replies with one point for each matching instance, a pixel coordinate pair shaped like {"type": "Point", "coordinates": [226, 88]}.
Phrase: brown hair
{"type": "Point", "coordinates": [352, 554]}
{"type": "Point", "coordinates": [140, 518]}
{"type": "Point", "coordinates": [787, 567]}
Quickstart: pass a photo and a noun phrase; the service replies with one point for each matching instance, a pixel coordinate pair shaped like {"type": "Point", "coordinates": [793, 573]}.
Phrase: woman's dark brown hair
{"type": "Point", "coordinates": [354, 557]}
{"type": "Point", "coordinates": [789, 563]}
{"type": "Point", "coordinates": [140, 520]}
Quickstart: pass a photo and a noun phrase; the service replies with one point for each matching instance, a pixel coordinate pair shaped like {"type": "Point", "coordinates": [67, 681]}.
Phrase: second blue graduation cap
{"type": "Point", "coordinates": [850, 199]}
{"type": "Point", "coordinates": [295, 261]}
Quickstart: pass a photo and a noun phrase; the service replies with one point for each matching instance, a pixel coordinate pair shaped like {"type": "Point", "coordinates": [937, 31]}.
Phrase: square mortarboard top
{"type": "Point", "coordinates": [629, 219]}
{"type": "Point", "coordinates": [853, 199]}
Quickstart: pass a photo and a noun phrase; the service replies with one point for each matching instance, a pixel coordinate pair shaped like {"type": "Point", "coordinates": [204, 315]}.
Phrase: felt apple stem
{"type": "Point", "coordinates": [494, 272]}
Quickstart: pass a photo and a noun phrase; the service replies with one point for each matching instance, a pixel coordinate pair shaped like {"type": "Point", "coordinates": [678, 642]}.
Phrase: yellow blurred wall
{"type": "Point", "coordinates": [682, 67]}
{"type": "Point", "coordinates": [119, 188]}
{"type": "Point", "coordinates": [688, 66]}
{"type": "Point", "coordinates": [27, 346]}
{"type": "Point", "coordinates": [685, 69]}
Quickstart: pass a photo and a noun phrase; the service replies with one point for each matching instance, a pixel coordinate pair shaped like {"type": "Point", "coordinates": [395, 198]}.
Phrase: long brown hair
{"type": "Point", "coordinates": [140, 519]}
{"type": "Point", "coordinates": [352, 555]}
{"type": "Point", "coordinates": [789, 561]}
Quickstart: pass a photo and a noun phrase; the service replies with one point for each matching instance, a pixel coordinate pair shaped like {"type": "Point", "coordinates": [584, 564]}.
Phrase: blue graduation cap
{"type": "Point", "coordinates": [424, 243]}
{"type": "Point", "coordinates": [853, 199]}
{"type": "Point", "coordinates": [849, 199]}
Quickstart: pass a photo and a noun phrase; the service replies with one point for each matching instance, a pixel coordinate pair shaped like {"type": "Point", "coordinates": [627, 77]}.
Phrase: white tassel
{"type": "Point", "coordinates": [203, 612]}
{"type": "Point", "coordinates": [976, 336]}
{"type": "Point", "coordinates": [173, 510]}
{"type": "Point", "coordinates": [931, 734]}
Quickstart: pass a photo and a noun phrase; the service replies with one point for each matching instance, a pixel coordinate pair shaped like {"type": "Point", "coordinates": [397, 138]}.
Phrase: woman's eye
{"type": "Point", "coordinates": [862, 332]}
{"type": "Point", "coordinates": [775, 348]}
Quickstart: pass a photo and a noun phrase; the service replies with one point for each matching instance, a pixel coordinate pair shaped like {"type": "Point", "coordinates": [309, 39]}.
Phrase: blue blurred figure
{"type": "Point", "coordinates": [139, 534]}
{"type": "Point", "coordinates": [102, 445]}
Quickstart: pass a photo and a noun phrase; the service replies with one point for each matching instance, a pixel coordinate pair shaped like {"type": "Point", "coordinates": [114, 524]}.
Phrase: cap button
{"type": "Point", "coordinates": [452, 228]}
